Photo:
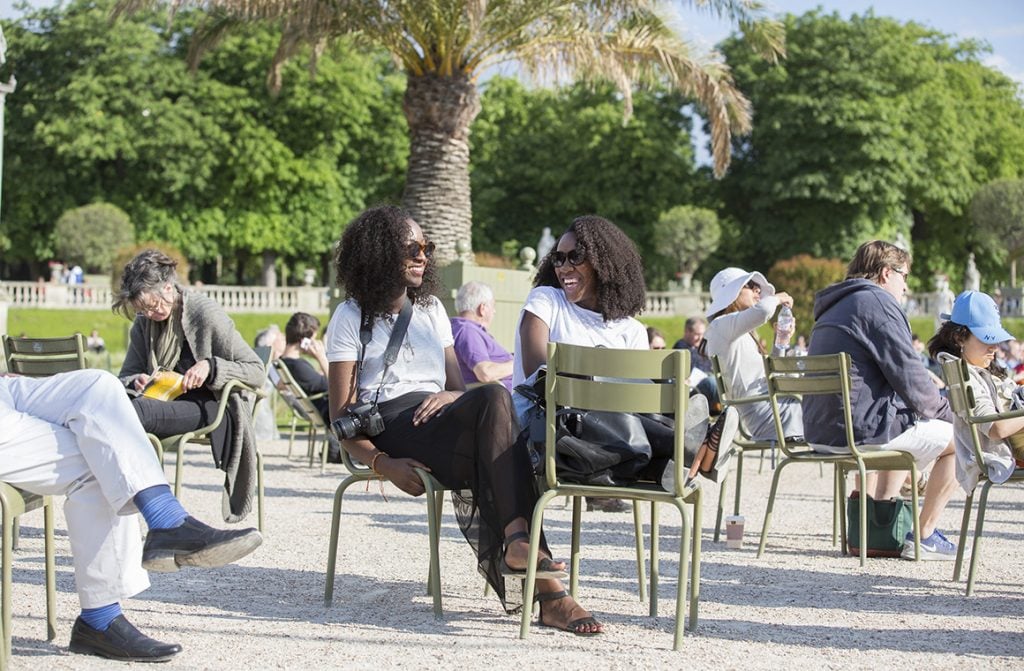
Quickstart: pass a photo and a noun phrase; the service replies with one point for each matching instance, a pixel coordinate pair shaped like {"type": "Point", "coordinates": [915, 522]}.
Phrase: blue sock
{"type": "Point", "coordinates": [100, 618]}
{"type": "Point", "coordinates": [159, 507]}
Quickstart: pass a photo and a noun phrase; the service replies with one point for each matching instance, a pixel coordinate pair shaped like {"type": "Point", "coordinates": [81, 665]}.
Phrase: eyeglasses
{"type": "Point", "coordinates": [416, 248]}
{"type": "Point", "coordinates": [149, 304]}
{"type": "Point", "coordinates": [575, 257]}
{"type": "Point", "coordinates": [753, 286]}
{"type": "Point", "coordinates": [904, 273]}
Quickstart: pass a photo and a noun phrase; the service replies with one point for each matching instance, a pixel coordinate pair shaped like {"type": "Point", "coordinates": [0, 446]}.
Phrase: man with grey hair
{"type": "Point", "coordinates": [481, 358]}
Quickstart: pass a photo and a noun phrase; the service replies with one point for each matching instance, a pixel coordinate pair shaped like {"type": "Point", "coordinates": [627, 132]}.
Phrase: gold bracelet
{"type": "Point", "coordinates": [373, 462]}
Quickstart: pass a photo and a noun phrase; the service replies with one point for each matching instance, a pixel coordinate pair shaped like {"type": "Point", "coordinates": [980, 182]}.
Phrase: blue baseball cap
{"type": "Point", "coordinates": [978, 312]}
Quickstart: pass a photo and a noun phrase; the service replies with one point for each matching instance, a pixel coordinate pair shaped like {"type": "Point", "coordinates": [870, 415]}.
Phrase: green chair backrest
{"type": "Point", "coordinates": [799, 376]}
{"type": "Point", "coordinates": [39, 357]}
{"type": "Point", "coordinates": [299, 400]}
{"type": "Point", "coordinates": [614, 380]}
{"type": "Point", "coordinates": [961, 398]}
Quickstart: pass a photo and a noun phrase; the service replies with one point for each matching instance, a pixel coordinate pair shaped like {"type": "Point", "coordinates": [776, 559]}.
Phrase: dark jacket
{"type": "Point", "coordinates": [891, 389]}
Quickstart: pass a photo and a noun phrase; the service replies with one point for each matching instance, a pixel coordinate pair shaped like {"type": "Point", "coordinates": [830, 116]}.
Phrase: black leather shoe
{"type": "Point", "coordinates": [196, 544]}
{"type": "Point", "coordinates": [120, 641]}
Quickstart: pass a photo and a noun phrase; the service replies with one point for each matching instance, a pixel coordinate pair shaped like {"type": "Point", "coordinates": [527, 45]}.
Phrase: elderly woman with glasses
{"type": "Point", "coordinates": [740, 303]}
{"type": "Point", "coordinates": [411, 410]}
{"type": "Point", "coordinates": [187, 332]}
{"type": "Point", "coordinates": [588, 291]}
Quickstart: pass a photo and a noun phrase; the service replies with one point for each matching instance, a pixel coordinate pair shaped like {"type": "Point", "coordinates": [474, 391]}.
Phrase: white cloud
{"type": "Point", "coordinates": [1003, 65]}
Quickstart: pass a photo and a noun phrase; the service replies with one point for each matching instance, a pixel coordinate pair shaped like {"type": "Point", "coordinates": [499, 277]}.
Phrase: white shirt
{"type": "Point", "coordinates": [420, 363]}
{"type": "Point", "coordinates": [569, 323]}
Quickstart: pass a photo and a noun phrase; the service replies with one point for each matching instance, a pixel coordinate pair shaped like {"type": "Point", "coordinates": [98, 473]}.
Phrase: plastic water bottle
{"type": "Point", "coordinates": [784, 328]}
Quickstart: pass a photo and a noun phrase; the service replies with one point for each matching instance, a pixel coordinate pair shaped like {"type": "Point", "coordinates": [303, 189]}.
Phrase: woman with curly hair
{"type": "Point", "coordinates": [465, 439]}
{"type": "Point", "coordinates": [587, 292]}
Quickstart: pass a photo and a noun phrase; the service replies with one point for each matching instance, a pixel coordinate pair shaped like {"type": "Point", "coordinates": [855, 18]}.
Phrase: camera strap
{"type": "Point", "coordinates": [394, 342]}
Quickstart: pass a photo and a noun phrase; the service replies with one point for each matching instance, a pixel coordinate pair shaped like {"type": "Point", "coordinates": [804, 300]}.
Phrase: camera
{"type": "Point", "coordinates": [362, 420]}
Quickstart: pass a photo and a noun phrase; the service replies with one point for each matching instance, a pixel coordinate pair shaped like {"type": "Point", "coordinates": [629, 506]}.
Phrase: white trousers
{"type": "Point", "coordinates": [76, 434]}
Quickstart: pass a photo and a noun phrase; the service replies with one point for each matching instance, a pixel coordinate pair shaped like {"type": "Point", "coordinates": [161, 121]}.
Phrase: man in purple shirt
{"type": "Point", "coordinates": [481, 358]}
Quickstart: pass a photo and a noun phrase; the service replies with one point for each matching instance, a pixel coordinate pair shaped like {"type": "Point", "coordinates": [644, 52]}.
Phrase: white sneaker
{"type": "Point", "coordinates": [934, 548]}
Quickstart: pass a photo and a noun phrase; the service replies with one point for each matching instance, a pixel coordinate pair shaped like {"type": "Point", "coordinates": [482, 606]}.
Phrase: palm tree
{"type": "Point", "coordinates": [444, 46]}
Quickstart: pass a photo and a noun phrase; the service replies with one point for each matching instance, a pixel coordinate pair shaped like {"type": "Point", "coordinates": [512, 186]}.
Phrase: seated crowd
{"type": "Point", "coordinates": [405, 404]}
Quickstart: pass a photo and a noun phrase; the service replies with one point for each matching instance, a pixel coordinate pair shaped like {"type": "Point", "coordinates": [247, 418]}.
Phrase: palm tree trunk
{"type": "Point", "coordinates": [439, 111]}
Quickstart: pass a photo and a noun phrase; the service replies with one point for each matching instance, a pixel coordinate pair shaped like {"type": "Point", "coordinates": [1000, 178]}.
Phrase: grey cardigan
{"type": "Point", "coordinates": [210, 333]}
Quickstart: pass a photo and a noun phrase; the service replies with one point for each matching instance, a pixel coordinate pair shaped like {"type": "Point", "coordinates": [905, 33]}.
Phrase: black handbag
{"type": "Point", "coordinates": [600, 448]}
{"type": "Point", "coordinates": [591, 447]}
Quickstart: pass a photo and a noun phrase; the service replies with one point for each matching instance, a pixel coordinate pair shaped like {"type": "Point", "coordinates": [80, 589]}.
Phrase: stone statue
{"type": "Point", "coordinates": [546, 243]}
{"type": "Point", "coordinates": [972, 278]}
{"type": "Point", "coordinates": [943, 299]}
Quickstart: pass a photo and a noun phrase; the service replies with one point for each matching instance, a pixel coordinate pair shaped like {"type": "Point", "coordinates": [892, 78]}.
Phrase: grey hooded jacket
{"type": "Point", "coordinates": [891, 389]}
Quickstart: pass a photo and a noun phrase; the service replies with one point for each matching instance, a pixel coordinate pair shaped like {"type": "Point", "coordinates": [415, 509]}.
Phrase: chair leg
{"type": "Point", "coordinates": [841, 484]}
{"type": "Point", "coordinates": [332, 548]}
{"type": "Point", "coordinates": [178, 467]}
{"type": "Point", "coordinates": [653, 603]}
{"type": "Point", "coordinates": [291, 437]}
{"type": "Point", "coordinates": [638, 532]}
{"type": "Point", "coordinates": [684, 551]}
{"type": "Point", "coordinates": [760, 465]}
{"type": "Point", "coordinates": [51, 572]}
{"type": "Point", "coordinates": [771, 506]}
{"type": "Point", "coordinates": [722, 493]}
{"type": "Point", "coordinates": [863, 529]}
{"type": "Point", "coordinates": [698, 520]}
{"type": "Point", "coordinates": [963, 537]}
{"type": "Point", "coordinates": [16, 534]}
{"type": "Point", "coordinates": [436, 517]}
{"type": "Point", "coordinates": [574, 552]}
{"type": "Point", "coordinates": [6, 580]}
{"type": "Point", "coordinates": [536, 523]}
{"type": "Point", "coordinates": [916, 511]}
{"type": "Point", "coordinates": [433, 515]}
{"type": "Point", "coordinates": [979, 525]}
{"type": "Point", "coordinates": [836, 505]}
{"type": "Point", "coordinates": [259, 489]}
{"type": "Point", "coordinates": [739, 482]}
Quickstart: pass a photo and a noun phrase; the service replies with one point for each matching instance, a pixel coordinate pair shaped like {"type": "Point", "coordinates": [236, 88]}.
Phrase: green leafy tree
{"type": "Point", "coordinates": [210, 162]}
{"type": "Point", "coordinates": [997, 215]}
{"type": "Point", "coordinates": [686, 236]}
{"type": "Point", "coordinates": [92, 234]}
{"type": "Point", "coordinates": [870, 128]}
{"type": "Point", "coordinates": [444, 45]}
{"type": "Point", "coordinates": [802, 277]}
{"type": "Point", "coordinates": [542, 157]}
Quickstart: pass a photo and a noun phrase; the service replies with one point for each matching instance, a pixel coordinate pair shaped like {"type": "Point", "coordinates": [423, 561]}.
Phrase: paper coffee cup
{"type": "Point", "coordinates": [734, 531]}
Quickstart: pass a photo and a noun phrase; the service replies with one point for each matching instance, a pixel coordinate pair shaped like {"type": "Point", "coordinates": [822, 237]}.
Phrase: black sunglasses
{"type": "Point", "coordinates": [416, 248]}
{"type": "Point", "coordinates": [576, 257]}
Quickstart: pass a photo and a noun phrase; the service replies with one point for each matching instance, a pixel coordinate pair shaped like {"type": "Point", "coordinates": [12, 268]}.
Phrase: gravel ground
{"type": "Point", "coordinates": [802, 605]}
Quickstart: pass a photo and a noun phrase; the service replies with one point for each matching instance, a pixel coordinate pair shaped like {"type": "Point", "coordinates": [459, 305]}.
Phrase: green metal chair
{"type": "Point", "coordinates": [434, 493]}
{"type": "Point", "coordinates": [829, 375]}
{"type": "Point", "coordinates": [40, 357]}
{"type": "Point", "coordinates": [14, 503]}
{"type": "Point", "coordinates": [200, 436]}
{"type": "Point", "coordinates": [961, 398]}
{"type": "Point", "coordinates": [570, 382]}
{"type": "Point", "coordinates": [302, 407]}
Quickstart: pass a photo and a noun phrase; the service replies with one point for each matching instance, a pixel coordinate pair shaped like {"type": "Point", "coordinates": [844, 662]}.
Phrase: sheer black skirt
{"type": "Point", "coordinates": [469, 447]}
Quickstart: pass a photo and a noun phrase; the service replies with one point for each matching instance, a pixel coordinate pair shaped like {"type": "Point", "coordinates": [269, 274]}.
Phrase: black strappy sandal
{"type": "Point", "coordinates": [573, 627]}
{"type": "Point", "coordinates": [546, 566]}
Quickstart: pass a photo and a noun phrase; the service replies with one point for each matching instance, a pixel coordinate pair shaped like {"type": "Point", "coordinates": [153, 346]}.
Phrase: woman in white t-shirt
{"type": "Point", "coordinates": [588, 291]}
{"type": "Point", "coordinates": [464, 439]}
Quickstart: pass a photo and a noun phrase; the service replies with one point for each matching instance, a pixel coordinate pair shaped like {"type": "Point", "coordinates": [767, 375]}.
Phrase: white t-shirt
{"type": "Point", "coordinates": [420, 364]}
{"type": "Point", "coordinates": [569, 323]}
